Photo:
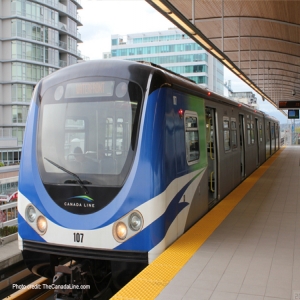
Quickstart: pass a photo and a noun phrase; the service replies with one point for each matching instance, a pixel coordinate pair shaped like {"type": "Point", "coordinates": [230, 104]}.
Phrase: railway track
{"type": "Point", "coordinates": [19, 283]}
{"type": "Point", "coordinates": [33, 291]}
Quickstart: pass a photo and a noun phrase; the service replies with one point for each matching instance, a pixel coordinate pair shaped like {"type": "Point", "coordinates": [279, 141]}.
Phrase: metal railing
{"type": "Point", "coordinates": [9, 214]}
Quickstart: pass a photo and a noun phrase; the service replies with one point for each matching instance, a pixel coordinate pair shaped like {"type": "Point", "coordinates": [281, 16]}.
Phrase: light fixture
{"type": "Point", "coordinates": [41, 224]}
{"type": "Point", "coordinates": [30, 213]}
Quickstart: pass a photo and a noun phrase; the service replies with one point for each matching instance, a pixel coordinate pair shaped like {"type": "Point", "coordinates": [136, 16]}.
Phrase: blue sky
{"type": "Point", "coordinates": [102, 18]}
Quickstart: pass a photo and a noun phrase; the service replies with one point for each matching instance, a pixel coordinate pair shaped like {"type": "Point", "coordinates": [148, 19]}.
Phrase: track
{"type": "Point", "coordinates": [21, 284]}
{"type": "Point", "coordinates": [33, 291]}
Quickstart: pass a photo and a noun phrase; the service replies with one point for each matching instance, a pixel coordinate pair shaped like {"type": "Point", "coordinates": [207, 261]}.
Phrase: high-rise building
{"type": "Point", "coordinates": [37, 37]}
{"type": "Point", "coordinates": [173, 50]}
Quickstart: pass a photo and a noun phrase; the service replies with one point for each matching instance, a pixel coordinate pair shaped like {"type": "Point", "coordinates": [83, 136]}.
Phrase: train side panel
{"type": "Point", "coordinates": [186, 197]}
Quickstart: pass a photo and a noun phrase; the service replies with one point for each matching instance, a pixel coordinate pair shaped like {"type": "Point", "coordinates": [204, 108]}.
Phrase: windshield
{"type": "Point", "coordinates": [88, 127]}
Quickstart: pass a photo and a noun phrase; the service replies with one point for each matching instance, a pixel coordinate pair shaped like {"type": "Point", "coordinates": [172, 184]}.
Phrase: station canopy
{"type": "Point", "coordinates": [259, 40]}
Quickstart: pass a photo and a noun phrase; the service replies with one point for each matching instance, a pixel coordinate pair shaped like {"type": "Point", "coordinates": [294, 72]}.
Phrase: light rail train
{"type": "Point", "coordinates": [121, 158]}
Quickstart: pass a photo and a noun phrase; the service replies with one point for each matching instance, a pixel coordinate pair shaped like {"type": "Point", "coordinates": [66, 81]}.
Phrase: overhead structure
{"type": "Point", "coordinates": [258, 40]}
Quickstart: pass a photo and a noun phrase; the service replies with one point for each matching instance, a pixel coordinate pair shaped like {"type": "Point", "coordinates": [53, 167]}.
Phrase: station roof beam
{"type": "Point", "coordinates": [259, 40]}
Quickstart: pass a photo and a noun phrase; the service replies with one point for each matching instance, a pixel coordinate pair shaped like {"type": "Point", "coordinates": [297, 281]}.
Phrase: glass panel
{"type": "Point", "coordinates": [248, 133]}
{"type": "Point", "coordinates": [192, 145]}
{"type": "Point", "coordinates": [90, 135]}
{"type": "Point", "coordinates": [234, 139]}
{"type": "Point", "coordinates": [225, 123]}
{"type": "Point", "coordinates": [226, 140]}
{"type": "Point", "coordinates": [191, 122]}
{"type": "Point", "coordinates": [252, 134]}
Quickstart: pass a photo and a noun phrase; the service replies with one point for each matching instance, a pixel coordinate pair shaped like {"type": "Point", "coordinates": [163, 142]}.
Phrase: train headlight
{"type": "Point", "coordinates": [121, 230]}
{"type": "Point", "coordinates": [41, 224]}
{"type": "Point", "coordinates": [135, 221]}
{"type": "Point", "coordinates": [30, 213]}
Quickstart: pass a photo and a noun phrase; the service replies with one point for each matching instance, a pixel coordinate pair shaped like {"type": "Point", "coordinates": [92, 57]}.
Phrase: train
{"type": "Point", "coordinates": [119, 159]}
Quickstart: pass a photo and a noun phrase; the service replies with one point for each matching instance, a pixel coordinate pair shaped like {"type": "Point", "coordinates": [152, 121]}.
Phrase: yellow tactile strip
{"type": "Point", "coordinates": [153, 279]}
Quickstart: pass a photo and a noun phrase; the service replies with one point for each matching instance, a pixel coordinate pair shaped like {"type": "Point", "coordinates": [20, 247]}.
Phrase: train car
{"type": "Point", "coordinates": [120, 159]}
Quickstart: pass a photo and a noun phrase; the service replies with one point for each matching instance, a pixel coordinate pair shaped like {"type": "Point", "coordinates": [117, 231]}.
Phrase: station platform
{"type": "Point", "coordinates": [246, 248]}
{"type": "Point", "coordinates": [9, 254]}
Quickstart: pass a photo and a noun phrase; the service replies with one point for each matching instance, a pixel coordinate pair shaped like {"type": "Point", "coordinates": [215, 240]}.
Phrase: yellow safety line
{"type": "Point", "coordinates": [155, 277]}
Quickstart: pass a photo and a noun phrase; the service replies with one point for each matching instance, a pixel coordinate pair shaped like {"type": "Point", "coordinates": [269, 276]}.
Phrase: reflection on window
{"type": "Point", "coordinates": [248, 133]}
{"type": "Point", "coordinates": [260, 133]}
{"type": "Point", "coordinates": [108, 135]}
{"type": "Point", "coordinates": [74, 137]}
{"type": "Point", "coordinates": [233, 134]}
{"type": "Point", "coordinates": [226, 133]}
{"type": "Point", "coordinates": [252, 133]}
{"type": "Point", "coordinates": [192, 137]}
{"type": "Point", "coordinates": [120, 136]}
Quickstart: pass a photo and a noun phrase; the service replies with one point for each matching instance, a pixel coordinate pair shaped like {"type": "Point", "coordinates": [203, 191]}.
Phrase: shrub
{"type": "Point", "coordinates": [8, 230]}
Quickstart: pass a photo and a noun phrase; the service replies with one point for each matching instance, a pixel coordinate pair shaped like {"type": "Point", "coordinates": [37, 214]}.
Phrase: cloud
{"type": "Point", "coordinates": [101, 19]}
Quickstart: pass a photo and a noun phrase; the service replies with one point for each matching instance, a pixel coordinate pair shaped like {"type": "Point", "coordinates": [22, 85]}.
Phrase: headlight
{"type": "Point", "coordinates": [121, 230]}
{"type": "Point", "coordinates": [128, 226]}
{"type": "Point", "coordinates": [30, 213]}
{"type": "Point", "coordinates": [135, 221]}
{"type": "Point", "coordinates": [41, 224]}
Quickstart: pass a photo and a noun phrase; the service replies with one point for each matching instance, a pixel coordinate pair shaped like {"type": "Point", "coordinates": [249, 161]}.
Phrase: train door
{"type": "Point", "coordinates": [258, 143]}
{"type": "Point", "coordinates": [242, 145]}
{"type": "Point", "coordinates": [212, 159]}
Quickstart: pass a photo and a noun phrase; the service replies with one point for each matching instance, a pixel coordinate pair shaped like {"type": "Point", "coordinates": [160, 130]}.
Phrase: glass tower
{"type": "Point", "coordinates": [173, 50]}
{"type": "Point", "coordinates": [37, 37]}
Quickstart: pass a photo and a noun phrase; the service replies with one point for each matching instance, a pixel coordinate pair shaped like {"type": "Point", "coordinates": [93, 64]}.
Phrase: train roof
{"type": "Point", "coordinates": [138, 72]}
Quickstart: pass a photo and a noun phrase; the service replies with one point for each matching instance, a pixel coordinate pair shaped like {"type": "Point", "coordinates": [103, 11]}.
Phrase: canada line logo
{"type": "Point", "coordinates": [79, 204]}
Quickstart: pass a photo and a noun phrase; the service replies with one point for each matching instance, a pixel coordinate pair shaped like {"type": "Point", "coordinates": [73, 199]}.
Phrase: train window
{"type": "Point", "coordinates": [226, 134]}
{"type": "Point", "coordinates": [74, 135]}
{"type": "Point", "coordinates": [108, 136]}
{"type": "Point", "coordinates": [260, 133]}
{"type": "Point", "coordinates": [248, 133]}
{"type": "Point", "coordinates": [120, 136]}
{"type": "Point", "coordinates": [104, 127]}
{"type": "Point", "coordinates": [252, 133]}
{"type": "Point", "coordinates": [233, 134]}
{"type": "Point", "coordinates": [226, 124]}
{"type": "Point", "coordinates": [191, 137]}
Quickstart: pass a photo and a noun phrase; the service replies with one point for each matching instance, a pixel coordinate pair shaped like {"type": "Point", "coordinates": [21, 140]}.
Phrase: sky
{"type": "Point", "coordinates": [102, 18]}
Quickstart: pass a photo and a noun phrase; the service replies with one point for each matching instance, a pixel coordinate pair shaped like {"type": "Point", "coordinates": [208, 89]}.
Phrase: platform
{"type": "Point", "coordinates": [9, 254]}
{"type": "Point", "coordinates": [248, 245]}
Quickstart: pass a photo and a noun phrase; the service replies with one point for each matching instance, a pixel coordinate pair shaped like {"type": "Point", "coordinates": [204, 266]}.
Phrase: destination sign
{"type": "Point", "coordinates": [89, 89]}
{"type": "Point", "coordinates": [289, 104]}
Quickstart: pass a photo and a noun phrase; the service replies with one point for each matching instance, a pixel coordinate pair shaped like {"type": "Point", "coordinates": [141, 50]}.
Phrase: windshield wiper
{"type": "Point", "coordinates": [78, 180]}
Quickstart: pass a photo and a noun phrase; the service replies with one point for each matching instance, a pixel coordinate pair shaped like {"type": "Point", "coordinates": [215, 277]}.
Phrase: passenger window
{"type": "Point", "coordinates": [260, 133]}
{"type": "Point", "coordinates": [252, 133]}
{"type": "Point", "coordinates": [109, 136]}
{"type": "Point", "coordinates": [120, 134]}
{"type": "Point", "coordinates": [226, 134]}
{"type": "Point", "coordinates": [191, 137]}
{"type": "Point", "coordinates": [248, 133]}
{"type": "Point", "coordinates": [74, 135]}
{"type": "Point", "coordinates": [233, 134]}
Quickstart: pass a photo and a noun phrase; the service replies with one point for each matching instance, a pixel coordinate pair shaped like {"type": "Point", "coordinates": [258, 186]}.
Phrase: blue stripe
{"type": "Point", "coordinates": [155, 232]}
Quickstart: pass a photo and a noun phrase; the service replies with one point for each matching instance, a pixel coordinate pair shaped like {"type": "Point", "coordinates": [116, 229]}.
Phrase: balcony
{"type": "Point", "coordinates": [62, 63]}
{"type": "Point", "coordinates": [63, 45]}
{"type": "Point", "coordinates": [62, 26]}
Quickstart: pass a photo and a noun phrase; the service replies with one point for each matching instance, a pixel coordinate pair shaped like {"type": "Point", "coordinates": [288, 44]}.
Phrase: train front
{"type": "Point", "coordinates": [76, 200]}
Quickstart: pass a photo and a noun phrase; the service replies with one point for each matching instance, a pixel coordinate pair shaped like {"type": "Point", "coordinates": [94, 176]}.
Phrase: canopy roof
{"type": "Point", "coordinates": [259, 40]}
